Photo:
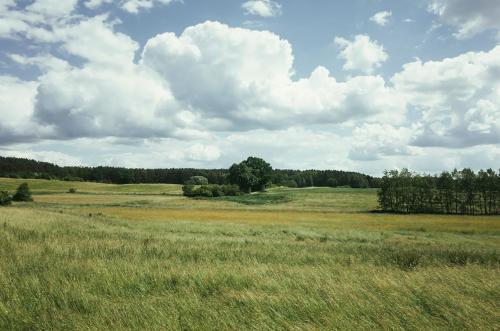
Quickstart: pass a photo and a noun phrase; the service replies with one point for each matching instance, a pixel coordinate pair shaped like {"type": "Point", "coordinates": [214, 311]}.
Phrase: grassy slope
{"type": "Point", "coordinates": [314, 260]}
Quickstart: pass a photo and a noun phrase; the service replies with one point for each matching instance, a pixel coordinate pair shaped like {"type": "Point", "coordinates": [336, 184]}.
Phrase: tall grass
{"type": "Point", "coordinates": [197, 264]}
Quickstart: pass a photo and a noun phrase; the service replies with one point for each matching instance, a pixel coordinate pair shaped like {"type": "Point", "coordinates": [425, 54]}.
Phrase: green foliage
{"type": "Point", "coordinates": [73, 179]}
{"type": "Point", "coordinates": [197, 180]}
{"type": "Point", "coordinates": [23, 193]}
{"type": "Point", "coordinates": [458, 192]}
{"type": "Point", "coordinates": [5, 198]}
{"type": "Point", "coordinates": [289, 183]}
{"type": "Point", "coordinates": [253, 174]}
{"type": "Point", "coordinates": [72, 190]}
{"type": "Point", "coordinates": [188, 190]}
{"type": "Point", "coordinates": [211, 190]}
{"type": "Point", "coordinates": [332, 182]}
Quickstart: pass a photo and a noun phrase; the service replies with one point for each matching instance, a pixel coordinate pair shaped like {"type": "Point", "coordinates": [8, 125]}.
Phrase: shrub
{"type": "Point", "coordinates": [209, 191]}
{"type": "Point", "coordinates": [72, 190]}
{"type": "Point", "coordinates": [217, 190]}
{"type": "Point", "coordinates": [23, 193]}
{"type": "Point", "coordinates": [5, 198]}
{"type": "Point", "coordinates": [231, 190]}
{"type": "Point", "coordinates": [188, 190]}
{"type": "Point", "coordinates": [197, 180]}
{"type": "Point", "coordinates": [204, 191]}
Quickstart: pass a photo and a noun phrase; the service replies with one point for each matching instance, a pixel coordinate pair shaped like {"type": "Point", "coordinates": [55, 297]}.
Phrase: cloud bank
{"type": "Point", "coordinates": [214, 92]}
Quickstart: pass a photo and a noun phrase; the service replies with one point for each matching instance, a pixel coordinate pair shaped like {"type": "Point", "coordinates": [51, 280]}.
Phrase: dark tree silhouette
{"type": "Point", "coordinates": [458, 192]}
{"type": "Point", "coordinates": [23, 193]}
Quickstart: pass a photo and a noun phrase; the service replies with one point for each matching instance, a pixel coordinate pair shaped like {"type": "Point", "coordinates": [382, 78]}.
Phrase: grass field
{"type": "Point", "coordinates": [144, 257]}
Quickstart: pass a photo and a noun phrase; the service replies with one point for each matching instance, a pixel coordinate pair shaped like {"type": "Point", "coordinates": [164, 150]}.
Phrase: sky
{"type": "Point", "coordinates": [361, 85]}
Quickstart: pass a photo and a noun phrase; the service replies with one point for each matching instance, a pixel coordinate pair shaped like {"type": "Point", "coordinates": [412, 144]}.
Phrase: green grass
{"type": "Point", "coordinates": [315, 259]}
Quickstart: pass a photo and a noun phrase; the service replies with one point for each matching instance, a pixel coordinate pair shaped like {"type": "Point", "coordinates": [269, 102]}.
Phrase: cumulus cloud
{"type": "Point", "coordinates": [211, 78]}
{"type": "Point", "coordinates": [457, 98]}
{"type": "Point", "coordinates": [254, 70]}
{"type": "Point", "coordinates": [361, 53]}
{"type": "Point", "coordinates": [381, 18]}
{"type": "Point", "coordinates": [468, 17]}
{"type": "Point", "coordinates": [235, 88]}
{"type": "Point", "coordinates": [263, 8]}
{"type": "Point", "coordinates": [95, 101]}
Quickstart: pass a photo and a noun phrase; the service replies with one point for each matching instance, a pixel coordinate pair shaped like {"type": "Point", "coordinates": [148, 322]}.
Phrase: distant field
{"type": "Point", "coordinates": [144, 257]}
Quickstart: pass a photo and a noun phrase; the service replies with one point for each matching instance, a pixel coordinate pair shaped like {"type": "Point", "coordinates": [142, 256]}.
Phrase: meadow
{"type": "Point", "coordinates": [145, 257]}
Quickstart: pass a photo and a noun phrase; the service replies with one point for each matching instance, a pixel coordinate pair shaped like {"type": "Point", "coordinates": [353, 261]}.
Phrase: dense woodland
{"type": "Point", "coordinates": [25, 168]}
{"type": "Point", "coordinates": [456, 192]}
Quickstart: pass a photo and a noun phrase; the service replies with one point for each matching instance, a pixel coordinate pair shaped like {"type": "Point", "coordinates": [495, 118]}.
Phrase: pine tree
{"type": "Point", "coordinates": [23, 193]}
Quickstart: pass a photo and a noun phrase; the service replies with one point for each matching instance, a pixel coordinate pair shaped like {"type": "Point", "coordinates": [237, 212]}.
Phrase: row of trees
{"type": "Point", "coordinates": [24, 168]}
{"type": "Point", "coordinates": [456, 192]}
{"type": "Point", "coordinates": [323, 178]}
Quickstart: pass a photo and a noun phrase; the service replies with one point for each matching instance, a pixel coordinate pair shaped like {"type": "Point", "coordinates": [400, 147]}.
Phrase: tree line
{"type": "Point", "coordinates": [455, 192]}
{"type": "Point", "coordinates": [26, 168]}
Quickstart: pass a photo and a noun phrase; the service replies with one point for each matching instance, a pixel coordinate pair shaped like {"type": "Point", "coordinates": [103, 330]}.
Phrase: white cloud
{"type": "Point", "coordinates": [457, 98]}
{"type": "Point", "coordinates": [264, 8]}
{"type": "Point", "coordinates": [94, 4]}
{"type": "Point", "coordinates": [234, 88]}
{"type": "Point", "coordinates": [254, 70]}
{"type": "Point", "coordinates": [17, 99]}
{"type": "Point", "coordinates": [468, 17]}
{"type": "Point", "coordinates": [200, 152]}
{"type": "Point", "coordinates": [172, 91]}
{"type": "Point", "coordinates": [361, 53]}
{"type": "Point", "coordinates": [135, 6]}
{"type": "Point", "coordinates": [35, 20]}
{"type": "Point", "coordinates": [44, 62]}
{"type": "Point", "coordinates": [381, 18]}
{"type": "Point", "coordinates": [53, 8]}
{"type": "Point", "coordinates": [94, 40]}
{"type": "Point", "coordinates": [374, 141]}
{"type": "Point", "coordinates": [97, 101]}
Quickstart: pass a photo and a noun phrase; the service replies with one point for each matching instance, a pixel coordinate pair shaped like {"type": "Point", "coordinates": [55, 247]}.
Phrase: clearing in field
{"type": "Point", "coordinates": [144, 257]}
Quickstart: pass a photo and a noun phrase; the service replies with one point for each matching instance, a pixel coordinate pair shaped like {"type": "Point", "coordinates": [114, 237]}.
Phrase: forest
{"type": "Point", "coordinates": [25, 168]}
{"type": "Point", "coordinates": [456, 192]}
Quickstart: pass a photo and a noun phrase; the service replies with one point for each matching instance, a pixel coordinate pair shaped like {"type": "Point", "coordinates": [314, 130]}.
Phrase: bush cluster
{"type": "Point", "coordinates": [5, 198]}
{"type": "Point", "coordinates": [211, 190]}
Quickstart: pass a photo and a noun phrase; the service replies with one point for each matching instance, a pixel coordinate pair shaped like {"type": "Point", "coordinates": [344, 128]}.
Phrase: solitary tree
{"type": "Point", "coordinates": [253, 174]}
{"type": "Point", "coordinates": [23, 193]}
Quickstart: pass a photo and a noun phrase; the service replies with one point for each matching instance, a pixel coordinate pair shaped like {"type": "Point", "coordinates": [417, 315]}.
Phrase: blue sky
{"type": "Point", "coordinates": [362, 85]}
